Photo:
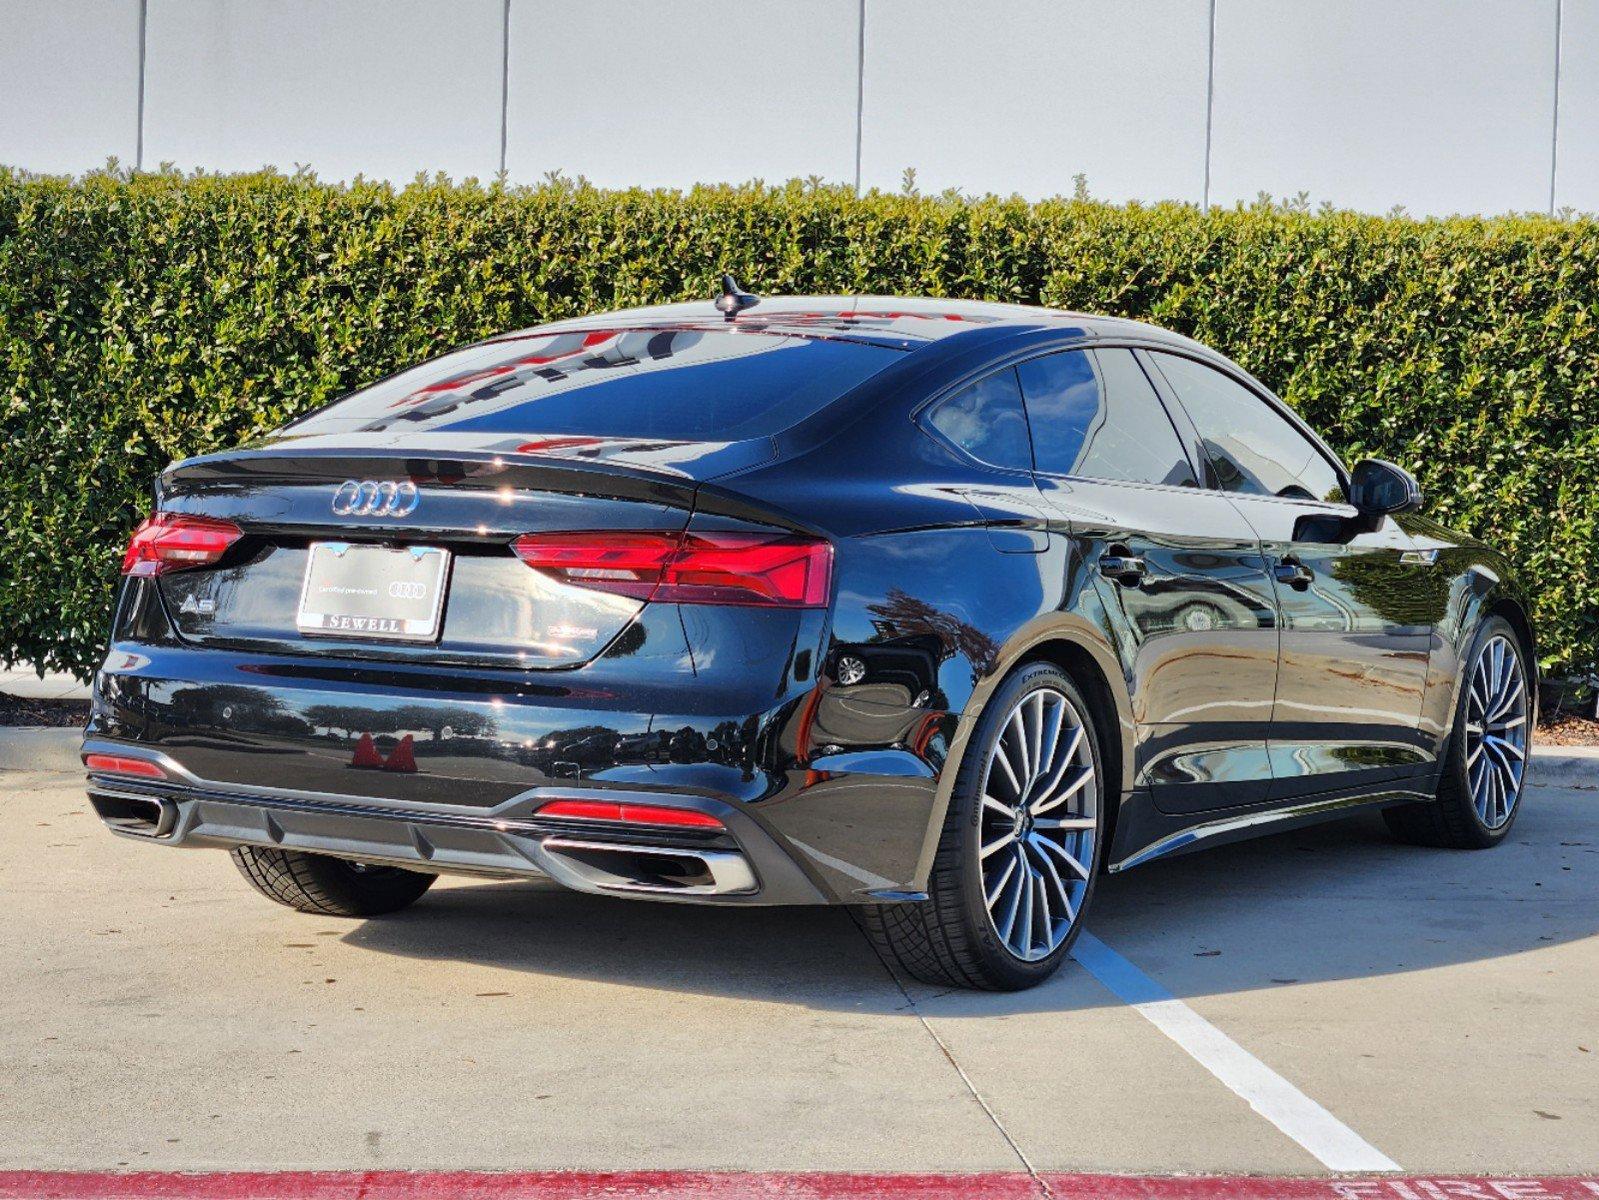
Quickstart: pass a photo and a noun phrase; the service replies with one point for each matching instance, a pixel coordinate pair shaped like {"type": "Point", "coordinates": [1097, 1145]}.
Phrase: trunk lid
{"type": "Point", "coordinates": [471, 500]}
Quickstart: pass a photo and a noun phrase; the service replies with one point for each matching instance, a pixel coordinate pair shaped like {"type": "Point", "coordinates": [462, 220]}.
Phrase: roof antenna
{"type": "Point", "coordinates": [734, 299]}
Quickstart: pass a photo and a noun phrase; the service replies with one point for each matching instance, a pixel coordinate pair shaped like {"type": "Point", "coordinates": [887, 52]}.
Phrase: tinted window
{"type": "Point", "coordinates": [1254, 450]}
{"type": "Point", "coordinates": [672, 384]}
{"type": "Point", "coordinates": [1094, 414]}
{"type": "Point", "coordinates": [985, 419]}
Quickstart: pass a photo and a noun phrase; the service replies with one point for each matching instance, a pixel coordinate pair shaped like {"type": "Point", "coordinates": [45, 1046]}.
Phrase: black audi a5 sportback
{"type": "Point", "coordinates": [939, 609]}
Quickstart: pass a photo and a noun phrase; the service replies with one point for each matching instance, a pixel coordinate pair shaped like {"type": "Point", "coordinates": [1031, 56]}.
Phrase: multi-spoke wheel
{"type": "Point", "coordinates": [1482, 774]}
{"type": "Point", "coordinates": [1038, 824]}
{"type": "Point", "coordinates": [1020, 847]}
{"type": "Point", "coordinates": [1496, 731]}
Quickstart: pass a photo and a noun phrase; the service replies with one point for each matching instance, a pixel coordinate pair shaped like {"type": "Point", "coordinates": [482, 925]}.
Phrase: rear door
{"type": "Point", "coordinates": [1177, 569]}
{"type": "Point", "coordinates": [1355, 611]}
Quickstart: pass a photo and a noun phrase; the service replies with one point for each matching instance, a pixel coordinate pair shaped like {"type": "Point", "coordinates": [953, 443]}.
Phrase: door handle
{"type": "Point", "coordinates": [1294, 573]}
{"type": "Point", "coordinates": [1125, 568]}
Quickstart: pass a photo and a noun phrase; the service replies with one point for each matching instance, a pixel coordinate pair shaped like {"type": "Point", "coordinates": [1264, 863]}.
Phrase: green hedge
{"type": "Point", "coordinates": [147, 318]}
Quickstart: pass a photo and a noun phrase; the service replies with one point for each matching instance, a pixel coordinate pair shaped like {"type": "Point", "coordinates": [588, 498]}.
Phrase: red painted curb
{"type": "Point", "coordinates": [716, 1185]}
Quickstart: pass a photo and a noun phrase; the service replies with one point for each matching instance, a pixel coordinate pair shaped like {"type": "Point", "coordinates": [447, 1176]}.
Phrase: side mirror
{"type": "Point", "coordinates": [1378, 488]}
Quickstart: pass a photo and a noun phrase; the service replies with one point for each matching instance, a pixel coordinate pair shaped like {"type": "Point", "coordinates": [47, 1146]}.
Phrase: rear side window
{"type": "Point", "coordinates": [986, 420]}
{"type": "Point", "coordinates": [1255, 450]}
{"type": "Point", "coordinates": [1095, 415]}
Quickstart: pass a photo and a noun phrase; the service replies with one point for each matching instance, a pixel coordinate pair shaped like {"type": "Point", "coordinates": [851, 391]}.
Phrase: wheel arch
{"type": "Point", "coordinates": [1115, 732]}
{"type": "Point", "coordinates": [1085, 655]}
{"type": "Point", "coordinates": [1516, 615]}
{"type": "Point", "coordinates": [1085, 671]}
{"type": "Point", "coordinates": [1485, 596]}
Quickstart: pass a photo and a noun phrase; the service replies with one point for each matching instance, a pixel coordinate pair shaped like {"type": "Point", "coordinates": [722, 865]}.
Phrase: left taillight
{"type": "Point", "coordinates": [117, 764]}
{"type": "Point", "coordinates": [169, 541]}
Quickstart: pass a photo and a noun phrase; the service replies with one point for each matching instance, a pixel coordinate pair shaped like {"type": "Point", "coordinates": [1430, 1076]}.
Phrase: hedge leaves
{"type": "Point", "coordinates": [147, 318]}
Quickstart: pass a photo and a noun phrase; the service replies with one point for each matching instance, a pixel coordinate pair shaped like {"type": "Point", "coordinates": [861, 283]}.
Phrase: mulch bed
{"type": "Point", "coordinates": [1565, 729]}
{"type": "Point", "coordinates": [58, 714]}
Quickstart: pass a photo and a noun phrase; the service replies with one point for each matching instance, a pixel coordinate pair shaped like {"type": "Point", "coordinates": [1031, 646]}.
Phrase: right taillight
{"type": "Point", "coordinates": [169, 541]}
{"type": "Point", "coordinates": [637, 814]}
{"type": "Point", "coordinates": [745, 569]}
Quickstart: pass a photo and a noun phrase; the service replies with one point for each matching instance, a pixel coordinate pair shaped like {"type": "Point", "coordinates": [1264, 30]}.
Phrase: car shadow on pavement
{"type": "Point", "coordinates": [1332, 902]}
{"type": "Point", "coordinates": [813, 956]}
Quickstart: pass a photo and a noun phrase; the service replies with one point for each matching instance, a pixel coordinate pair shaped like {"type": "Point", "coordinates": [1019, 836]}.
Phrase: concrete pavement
{"type": "Point", "coordinates": [158, 1014]}
{"type": "Point", "coordinates": [26, 683]}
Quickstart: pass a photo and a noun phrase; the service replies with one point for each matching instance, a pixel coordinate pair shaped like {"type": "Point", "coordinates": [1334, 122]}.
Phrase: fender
{"type": "Point", "coordinates": [1476, 580]}
{"type": "Point", "coordinates": [1077, 628]}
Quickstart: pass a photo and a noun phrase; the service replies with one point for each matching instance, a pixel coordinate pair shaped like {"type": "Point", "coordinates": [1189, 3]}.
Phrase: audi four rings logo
{"type": "Point", "coordinates": [369, 498]}
{"type": "Point", "coordinates": [407, 589]}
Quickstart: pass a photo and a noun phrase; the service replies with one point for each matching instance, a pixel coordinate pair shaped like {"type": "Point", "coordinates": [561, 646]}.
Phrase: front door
{"type": "Point", "coordinates": [1356, 625]}
{"type": "Point", "coordinates": [1176, 568]}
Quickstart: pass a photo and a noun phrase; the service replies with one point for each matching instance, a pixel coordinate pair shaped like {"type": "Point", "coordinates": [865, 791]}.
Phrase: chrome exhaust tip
{"type": "Point", "coordinates": [658, 870]}
{"type": "Point", "coordinates": [133, 814]}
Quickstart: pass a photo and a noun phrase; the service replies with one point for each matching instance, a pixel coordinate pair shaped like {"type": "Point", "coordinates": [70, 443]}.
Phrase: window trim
{"type": "Point", "coordinates": [1143, 346]}
{"type": "Point", "coordinates": [1160, 398]}
{"type": "Point", "coordinates": [921, 417]}
{"type": "Point", "coordinates": [1274, 404]}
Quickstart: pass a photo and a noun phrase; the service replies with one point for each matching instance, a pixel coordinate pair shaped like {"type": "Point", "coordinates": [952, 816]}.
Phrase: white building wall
{"type": "Point", "coordinates": [69, 83]}
{"type": "Point", "coordinates": [383, 88]}
{"type": "Point", "coordinates": [1436, 105]}
{"type": "Point", "coordinates": [675, 92]}
{"type": "Point", "coordinates": [1023, 96]}
{"type": "Point", "coordinates": [1577, 174]}
{"type": "Point", "coordinates": [1433, 104]}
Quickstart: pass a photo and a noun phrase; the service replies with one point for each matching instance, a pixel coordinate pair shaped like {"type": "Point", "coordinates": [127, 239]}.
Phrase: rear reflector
{"type": "Point", "coordinates": [751, 569]}
{"type": "Point", "coordinates": [116, 764]}
{"type": "Point", "coordinates": [638, 814]}
{"type": "Point", "coordinates": [175, 541]}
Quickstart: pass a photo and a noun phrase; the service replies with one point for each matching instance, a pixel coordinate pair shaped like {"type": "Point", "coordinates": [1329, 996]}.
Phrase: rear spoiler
{"type": "Point", "coordinates": [634, 469]}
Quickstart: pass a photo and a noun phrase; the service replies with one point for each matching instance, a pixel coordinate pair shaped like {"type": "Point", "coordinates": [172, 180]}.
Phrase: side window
{"type": "Point", "coordinates": [985, 419]}
{"type": "Point", "coordinates": [1095, 415]}
{"type": "Point", "coordinates": [1254, 450]}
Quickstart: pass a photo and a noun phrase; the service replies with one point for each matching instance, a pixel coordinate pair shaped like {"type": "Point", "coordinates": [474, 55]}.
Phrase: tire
{"type": "Point", "coordinates": [330, 887]}
{"type": "Point", "coordinates": [951, 939]}
{"type": "Point", "coordinates": [1459, 819]}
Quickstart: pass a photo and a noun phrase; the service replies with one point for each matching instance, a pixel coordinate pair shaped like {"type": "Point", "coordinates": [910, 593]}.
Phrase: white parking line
{"type": "Point", "coordinates": [1334, 1144]}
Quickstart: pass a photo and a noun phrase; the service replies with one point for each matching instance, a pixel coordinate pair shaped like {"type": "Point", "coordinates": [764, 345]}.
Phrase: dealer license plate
{"type": "Point", "coordinates": [386, 592]}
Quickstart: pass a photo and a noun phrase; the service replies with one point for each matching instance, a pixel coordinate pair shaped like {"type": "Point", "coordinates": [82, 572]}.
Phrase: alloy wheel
{"type": "Point", "coordinates": [1496, 731]}
{"type": "Point", "coordinates": [1040, 803]}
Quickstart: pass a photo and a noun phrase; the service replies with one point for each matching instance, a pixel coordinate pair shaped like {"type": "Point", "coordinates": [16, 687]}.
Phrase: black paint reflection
{"type": "Point", "coordinates": [906, 619]}
{"type": "Point", "coordinates": [1245, 647]}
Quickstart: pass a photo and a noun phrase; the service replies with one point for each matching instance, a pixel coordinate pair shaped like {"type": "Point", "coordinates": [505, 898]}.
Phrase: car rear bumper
{"type": "Point", "coordinates": [828, 793]}
{"type": "Point", "coordinates": [741, 864]}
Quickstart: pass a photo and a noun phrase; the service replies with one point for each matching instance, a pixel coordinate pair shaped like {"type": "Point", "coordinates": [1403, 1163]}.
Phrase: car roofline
{"type": "Point", "coordinates": [833, 317]}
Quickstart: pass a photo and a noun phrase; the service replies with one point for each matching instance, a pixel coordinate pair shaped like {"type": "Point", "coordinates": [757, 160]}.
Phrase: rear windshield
{"type": "Point", "coordinates": [678, 385]}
